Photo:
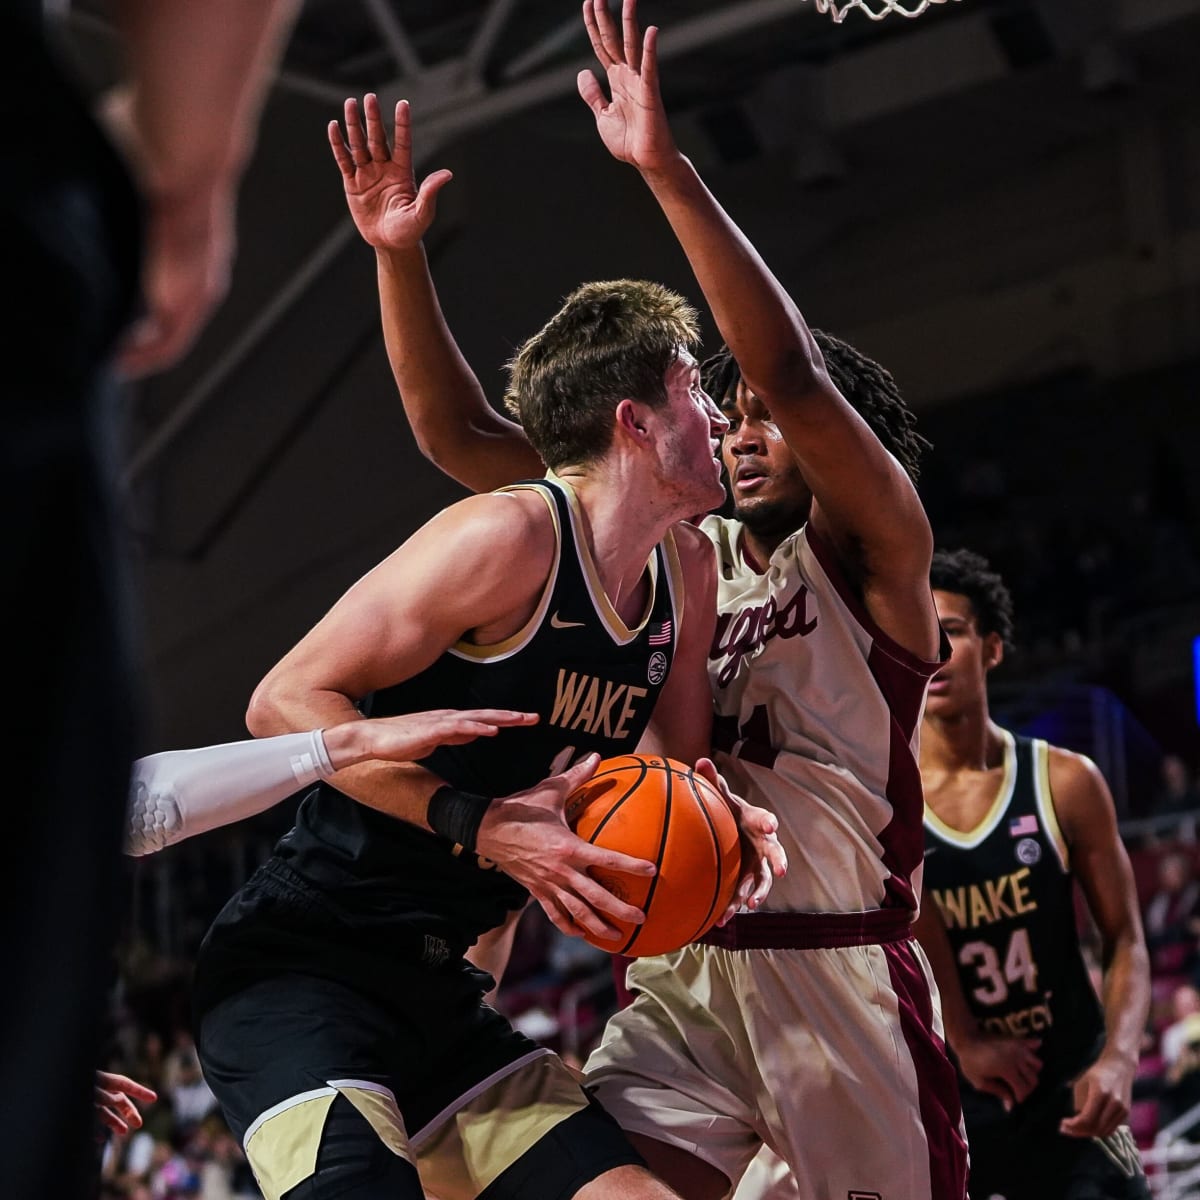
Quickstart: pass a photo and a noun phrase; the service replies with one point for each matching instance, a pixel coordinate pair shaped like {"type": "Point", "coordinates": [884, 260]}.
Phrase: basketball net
{"type": "Point", "coordinates": [875, 9]}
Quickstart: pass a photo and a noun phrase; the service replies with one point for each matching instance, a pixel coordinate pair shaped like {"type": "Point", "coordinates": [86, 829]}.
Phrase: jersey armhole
{"type": "Point", "coordinates": [827, 560]}
{"type": "Point", "coordinates": [496, 651]}
{"type": "Point", "coordinates": [675, 582]}
{"type": "Point", "coordinates": [1045, 803]}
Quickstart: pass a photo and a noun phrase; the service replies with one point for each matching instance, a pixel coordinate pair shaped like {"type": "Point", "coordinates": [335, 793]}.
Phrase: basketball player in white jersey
{"type": "Point", "coordinates": [813, 1028]}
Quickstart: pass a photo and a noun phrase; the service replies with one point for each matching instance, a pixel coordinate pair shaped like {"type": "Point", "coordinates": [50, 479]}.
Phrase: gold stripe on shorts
{"type": "Point", "coordinates": [378, 1105]}
{"type": "Point", "coordinates": [282, 1144]}
{"type": "Point", "coordinates": [473, 1142]}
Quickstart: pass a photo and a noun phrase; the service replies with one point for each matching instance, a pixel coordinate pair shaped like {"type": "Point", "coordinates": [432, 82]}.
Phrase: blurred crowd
{"type": "Point", "coordinates": [184, 1148]}
{"type": "Point", "coordinates": [1167, 871]}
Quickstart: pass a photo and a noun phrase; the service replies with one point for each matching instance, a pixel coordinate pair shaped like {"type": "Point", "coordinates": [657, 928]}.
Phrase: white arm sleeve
{"type": "Point", "coordinates": [179, 793]}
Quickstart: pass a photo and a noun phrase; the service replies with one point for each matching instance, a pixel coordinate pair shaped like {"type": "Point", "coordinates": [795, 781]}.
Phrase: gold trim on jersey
{"type": "Point", "coordinates": [469, 1145]}
{"type": "Point", "coordinates": [498, 651]}
{"type": "Point", "coordinates": [970, 838]}
{"type": "Point", "coordinates": [281, 1144]}
{"type": "Point", "coordinates": [674, 580]}
{"type": "Point", "coordinates": [1044, 799]}
{"type": "Point", "coordinates": [620, 633]}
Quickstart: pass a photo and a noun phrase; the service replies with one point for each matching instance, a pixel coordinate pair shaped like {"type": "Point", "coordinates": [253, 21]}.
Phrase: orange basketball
{"type": "Point", "coordinates": [659, 809]}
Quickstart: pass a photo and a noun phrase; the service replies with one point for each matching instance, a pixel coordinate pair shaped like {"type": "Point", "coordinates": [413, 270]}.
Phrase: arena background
{"type": "Point", "coordinates": [1000, 201]}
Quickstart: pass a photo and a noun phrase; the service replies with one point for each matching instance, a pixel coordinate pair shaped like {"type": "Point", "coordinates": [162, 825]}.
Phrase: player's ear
{"type": "Point", "coordinates": [631, 418]}
{"type": "Point", "coordinates": [993, 650]}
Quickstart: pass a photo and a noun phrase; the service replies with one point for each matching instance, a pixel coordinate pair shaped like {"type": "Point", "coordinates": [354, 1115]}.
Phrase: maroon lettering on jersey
{"type": "Point", "coordinates": [741, 633]}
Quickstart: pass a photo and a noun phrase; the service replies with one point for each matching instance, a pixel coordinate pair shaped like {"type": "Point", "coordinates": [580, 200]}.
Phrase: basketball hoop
{"type": "Point", "coordinates": [875, 9]}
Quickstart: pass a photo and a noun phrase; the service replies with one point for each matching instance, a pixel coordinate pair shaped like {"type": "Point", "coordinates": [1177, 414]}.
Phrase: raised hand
{"type": "Point", "coordinates": [389, 209]}
{"type": "Point", "coordinates": [526, 835]}
{"type": "Point", "coordinates": [633, 123]}
{"type": "Point", "coordinates": [763, 858]}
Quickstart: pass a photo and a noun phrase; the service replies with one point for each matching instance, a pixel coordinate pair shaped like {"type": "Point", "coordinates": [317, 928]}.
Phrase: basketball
{"type": "Point", "coordinates": [659, 809]}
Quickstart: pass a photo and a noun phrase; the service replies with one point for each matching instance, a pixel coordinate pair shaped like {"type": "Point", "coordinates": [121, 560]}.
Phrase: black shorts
{"type": "Point", "coordinates": [441, 1079]}
{"type": "Point", "coordinates": [1047, 1165]}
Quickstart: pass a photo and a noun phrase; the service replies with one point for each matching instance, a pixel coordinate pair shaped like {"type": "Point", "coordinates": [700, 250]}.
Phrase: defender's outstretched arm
{"type": "Point", "coordinates": [864, 503]}
{"type": "Point", "coordinates": [455, 426]}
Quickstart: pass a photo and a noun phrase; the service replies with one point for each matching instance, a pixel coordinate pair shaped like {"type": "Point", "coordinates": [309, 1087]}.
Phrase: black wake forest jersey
{"type": "Point", "coordinates": [594, 683]}
{"type": "Point", "coordinates": [1006, 894]}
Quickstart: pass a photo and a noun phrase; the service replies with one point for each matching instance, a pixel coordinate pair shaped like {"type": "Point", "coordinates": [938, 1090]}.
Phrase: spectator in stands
{"type": "Point", "coordinates": [1180, 1045]}
{"type": "Point", "coordinates": [179, 1062]}
{"type": "Point", "coordinates": [1178, 792]}
{"type": "Point", "coordinates": [150, 1062]}
{"type": "Point", "coordinates": [224, 1172]}
{"type": "Point", "coordinates": [173, 1173]}
{"type": "Point", "coordinates": [1171, 919]}
{"type": "Point", "coordinates": [191, 1098]}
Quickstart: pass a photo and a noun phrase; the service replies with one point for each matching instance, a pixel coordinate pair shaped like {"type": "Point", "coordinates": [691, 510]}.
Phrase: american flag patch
{"type": "Point", "coordinates": [662, 635]}
{"type": "Point", "coordinates": [1023, 826]}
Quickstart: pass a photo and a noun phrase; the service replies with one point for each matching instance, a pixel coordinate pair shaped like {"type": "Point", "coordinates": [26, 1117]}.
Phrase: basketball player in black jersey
{"type": "Point", "coordinates": [1012, 824]}
{"type": "Point", "coordinates": [338, 1022]}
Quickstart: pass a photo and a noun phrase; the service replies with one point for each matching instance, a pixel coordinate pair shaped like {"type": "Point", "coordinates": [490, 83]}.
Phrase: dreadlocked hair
{"type": "Point", "coordinates": [966, 573]}
{"type": "Point", "coordinates": [869, 389]}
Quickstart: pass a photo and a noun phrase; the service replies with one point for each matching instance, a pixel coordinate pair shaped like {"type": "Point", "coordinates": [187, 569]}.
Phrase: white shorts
{"type": "Point", "coordinates": [833, 1058]}
{"type": "Point", "coordinates": [767, 1177]}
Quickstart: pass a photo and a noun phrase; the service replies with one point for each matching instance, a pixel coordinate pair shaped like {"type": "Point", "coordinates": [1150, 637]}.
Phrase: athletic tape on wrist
{"type": "Point", "coordinates": [456, 815]}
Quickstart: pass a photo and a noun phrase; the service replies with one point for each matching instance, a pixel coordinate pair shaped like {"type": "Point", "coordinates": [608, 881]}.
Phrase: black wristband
{"type": "Point", "coordinates": [456, 815]}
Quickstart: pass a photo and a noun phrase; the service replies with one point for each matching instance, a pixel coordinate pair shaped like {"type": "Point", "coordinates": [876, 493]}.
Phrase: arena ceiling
{"type": "Point", "coordinates": [746, 78]}
{"type": "Point", "coordinates": [466, 64]}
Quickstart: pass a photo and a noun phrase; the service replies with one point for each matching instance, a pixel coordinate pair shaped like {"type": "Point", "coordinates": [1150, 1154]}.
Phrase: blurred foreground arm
{"type": "Point", "coordinates": [187, 118]}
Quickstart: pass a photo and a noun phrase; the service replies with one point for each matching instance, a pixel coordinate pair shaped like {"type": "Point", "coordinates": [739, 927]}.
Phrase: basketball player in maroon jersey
{"type": "Point", "coordinates": [814, 1027]}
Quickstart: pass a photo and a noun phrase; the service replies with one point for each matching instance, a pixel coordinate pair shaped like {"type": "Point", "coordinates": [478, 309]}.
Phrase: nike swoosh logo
{"type": "Point", "coordinates": [556, 623]}
{"type": "Point", "coordinates": [930, 851]}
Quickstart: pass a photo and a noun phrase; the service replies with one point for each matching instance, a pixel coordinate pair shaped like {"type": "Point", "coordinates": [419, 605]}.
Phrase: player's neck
{"type": "Point", "coordinates": [757, 550]}
{"type": "Point", "coordinates": [622, 528]}
{"type": "Point", "coordinates": [967, 740]}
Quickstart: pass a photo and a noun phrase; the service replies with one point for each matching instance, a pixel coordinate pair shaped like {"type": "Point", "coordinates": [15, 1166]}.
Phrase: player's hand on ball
{"type": "Point", "coordinates": [527, 836]}
{"type": "Point", "coordinates": [763, 858]}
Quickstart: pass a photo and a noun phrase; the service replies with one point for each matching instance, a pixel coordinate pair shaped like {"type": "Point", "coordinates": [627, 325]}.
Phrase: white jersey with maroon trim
{"type": "Point", "coordinates": [818, 713]}
{"type": "Point", "coordinates": [830, 1052]}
